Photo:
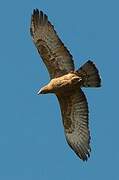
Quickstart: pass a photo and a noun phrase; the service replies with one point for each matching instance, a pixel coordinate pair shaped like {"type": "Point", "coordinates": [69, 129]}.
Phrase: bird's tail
{"type": "Point", "coordinates": [89, 74]}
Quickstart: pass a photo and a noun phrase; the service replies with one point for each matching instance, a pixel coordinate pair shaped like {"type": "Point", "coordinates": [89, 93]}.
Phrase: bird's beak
{"type": "Point", "coordinates": [40, 91]}
{"type": "Point", "coordinates": [43, 90]}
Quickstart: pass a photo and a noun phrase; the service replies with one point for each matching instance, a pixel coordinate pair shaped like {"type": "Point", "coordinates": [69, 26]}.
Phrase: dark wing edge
{"type": "Point", "coordinates": [55, 55]}
{"type": "Point", "coordinates": [74, 109]}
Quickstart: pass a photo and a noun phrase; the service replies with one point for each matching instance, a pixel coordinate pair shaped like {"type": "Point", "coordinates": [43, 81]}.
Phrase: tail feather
{"type": "Point", "coordinates": [89, 74]}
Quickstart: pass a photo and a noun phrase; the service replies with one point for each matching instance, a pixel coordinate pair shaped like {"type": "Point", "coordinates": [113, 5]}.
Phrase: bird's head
{"type": "Point", "coordinates": [46, 89]}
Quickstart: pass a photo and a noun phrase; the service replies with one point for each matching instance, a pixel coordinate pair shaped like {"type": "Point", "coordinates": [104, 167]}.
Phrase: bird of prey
{"type": "Point", "coordinates": [65, 82]}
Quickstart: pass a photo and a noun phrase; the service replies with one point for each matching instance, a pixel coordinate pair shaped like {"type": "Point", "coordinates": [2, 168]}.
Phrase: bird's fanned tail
{"type": "Point", "coordinates": [90, 75]}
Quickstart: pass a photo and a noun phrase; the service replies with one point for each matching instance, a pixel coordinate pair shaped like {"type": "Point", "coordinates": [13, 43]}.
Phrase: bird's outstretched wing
{"type": "Point", "coordinates": [74, 109]}
{"type": "Point", "coordinates": [56, 57]}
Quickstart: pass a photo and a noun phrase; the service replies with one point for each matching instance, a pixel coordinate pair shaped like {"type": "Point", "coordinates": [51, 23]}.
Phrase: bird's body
{"type": "Point", "coordinates": [65, 82]}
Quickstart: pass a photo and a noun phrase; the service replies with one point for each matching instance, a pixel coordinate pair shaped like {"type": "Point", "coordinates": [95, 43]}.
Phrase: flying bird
{"type": "Point", "coordinates": [65, 82]}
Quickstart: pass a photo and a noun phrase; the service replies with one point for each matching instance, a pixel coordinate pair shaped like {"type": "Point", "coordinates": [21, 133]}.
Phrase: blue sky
{"type": "Point", "coordinates": [32, 142]}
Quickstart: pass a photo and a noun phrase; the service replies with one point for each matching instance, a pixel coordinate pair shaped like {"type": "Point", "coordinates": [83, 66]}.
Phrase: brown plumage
{"type": "Point", "coordinates": [65, 82]}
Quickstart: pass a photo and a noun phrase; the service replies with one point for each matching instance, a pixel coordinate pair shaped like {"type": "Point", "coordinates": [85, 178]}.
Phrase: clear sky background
{"type": "Point", "coordinates": [32, 142]}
